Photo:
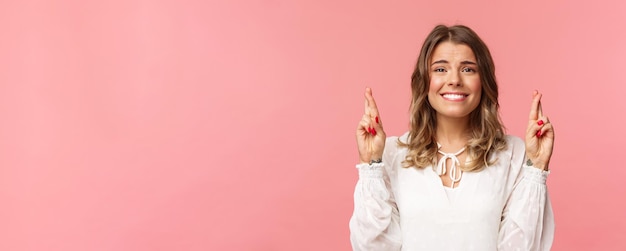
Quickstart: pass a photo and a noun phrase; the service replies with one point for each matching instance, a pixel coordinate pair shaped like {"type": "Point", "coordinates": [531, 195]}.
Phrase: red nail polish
{"type": "Point", "coordinates": [540, 122]}
{"type": "Point", "coordinates": [369, 129]}
{"type": "Point", "coordinates": [538, 134]}
{"type": "Point", "coordinates": [373, 131]}
{"type": "Point", "coordinates": [376, 119]}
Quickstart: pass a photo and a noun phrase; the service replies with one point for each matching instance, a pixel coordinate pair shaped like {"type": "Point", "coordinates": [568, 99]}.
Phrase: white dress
{"type": "Point", "coordinates": [503, 207]}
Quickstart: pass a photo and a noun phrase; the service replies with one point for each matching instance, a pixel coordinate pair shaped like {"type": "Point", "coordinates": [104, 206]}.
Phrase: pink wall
{"type": "Point", "coordinates": [228, 125]}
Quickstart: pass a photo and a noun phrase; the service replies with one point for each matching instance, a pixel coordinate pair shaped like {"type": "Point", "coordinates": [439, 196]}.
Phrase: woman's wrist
{"type": "Point", "coordinates": [537, 164]}
{"type": "Point", "coordinates": [376, 160]}
{"type": "Point", "coordinates": [372, 160]}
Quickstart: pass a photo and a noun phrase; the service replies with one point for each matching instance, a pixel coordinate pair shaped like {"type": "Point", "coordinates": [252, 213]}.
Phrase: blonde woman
{"type": "Point", "coordinates": [455, 181]}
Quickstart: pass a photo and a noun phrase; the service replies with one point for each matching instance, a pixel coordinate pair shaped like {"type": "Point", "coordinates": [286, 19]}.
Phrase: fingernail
{"type": "Point", "coordinates": [538, 134]}
{"type": "Point", "coordinates": [373, 131]}
{"type": "Point", "coordinates": [369, 129]}
{"type": "Point", "coordinates": [540, 122]}
{"type": "Point", "coordinates": [376, 119]}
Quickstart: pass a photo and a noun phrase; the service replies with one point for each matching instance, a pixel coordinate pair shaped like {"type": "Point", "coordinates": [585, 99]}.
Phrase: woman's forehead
{"type": "Point", "coordinates": [448, 51]}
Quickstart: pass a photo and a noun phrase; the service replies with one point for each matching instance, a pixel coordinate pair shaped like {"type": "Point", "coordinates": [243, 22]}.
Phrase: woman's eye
{"type": "Point", "coordinates": [467, 69]}
{"type": "Point", "coordinates": [439, 70]}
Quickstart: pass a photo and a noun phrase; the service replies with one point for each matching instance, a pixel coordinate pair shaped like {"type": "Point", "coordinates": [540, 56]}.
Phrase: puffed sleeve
{"type": "Point", "coordinates": [375, 221]}
{"type": "Point", "coordinates": [527, 219]}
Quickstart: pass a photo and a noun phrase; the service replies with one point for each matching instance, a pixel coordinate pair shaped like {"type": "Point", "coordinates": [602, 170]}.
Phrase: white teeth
{"type": "Point", "coordinates": [454, 96]}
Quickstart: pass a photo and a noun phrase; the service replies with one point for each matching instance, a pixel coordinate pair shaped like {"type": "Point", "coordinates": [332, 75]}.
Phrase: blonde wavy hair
{"type": "Point", "coordinates": [487, 131]}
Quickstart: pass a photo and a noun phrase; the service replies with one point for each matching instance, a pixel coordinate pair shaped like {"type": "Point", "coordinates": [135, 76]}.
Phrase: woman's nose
{"type": "Point", "coordinates": [454, 79]}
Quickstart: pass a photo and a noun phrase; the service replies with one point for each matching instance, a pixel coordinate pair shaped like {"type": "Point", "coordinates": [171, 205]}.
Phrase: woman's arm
{"type": "Point", "coordinates": [527, 220]}
{"type": "Point", "coordinates": [375, 222]}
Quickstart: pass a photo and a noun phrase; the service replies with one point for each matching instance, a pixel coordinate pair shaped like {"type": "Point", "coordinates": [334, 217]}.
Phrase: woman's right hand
{"type": "Point", "coordinates": [370, 136]}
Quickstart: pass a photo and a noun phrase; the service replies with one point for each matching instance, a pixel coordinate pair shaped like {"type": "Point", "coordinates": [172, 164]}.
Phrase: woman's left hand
{"type": "Point", "coordinates": [539, 136]}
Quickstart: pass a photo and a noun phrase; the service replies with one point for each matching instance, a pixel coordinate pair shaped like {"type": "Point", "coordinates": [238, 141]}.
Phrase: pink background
{"type": "Point", "coordinates": [228, 125]}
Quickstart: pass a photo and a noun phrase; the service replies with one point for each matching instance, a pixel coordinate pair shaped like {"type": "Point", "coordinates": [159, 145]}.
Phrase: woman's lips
{"type": "Point", "coordinates": [454, 96]}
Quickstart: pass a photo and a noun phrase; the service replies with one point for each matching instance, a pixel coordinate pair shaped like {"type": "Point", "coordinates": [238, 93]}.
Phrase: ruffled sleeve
{"type": "Point", "coordinates": [527, 220]}
{"type": "Point", "coordinates": [375, 221]}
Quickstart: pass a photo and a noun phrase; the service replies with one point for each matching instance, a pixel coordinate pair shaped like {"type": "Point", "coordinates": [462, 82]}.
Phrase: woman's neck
{"type": "Point", "coordinates": [452, 132]}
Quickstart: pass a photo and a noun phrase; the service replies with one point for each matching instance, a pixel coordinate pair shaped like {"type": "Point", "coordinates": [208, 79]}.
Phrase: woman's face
{"type": "Point", "coordinates": [455, 87]}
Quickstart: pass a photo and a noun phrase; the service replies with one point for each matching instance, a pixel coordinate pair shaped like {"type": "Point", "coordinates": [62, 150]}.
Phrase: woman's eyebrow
{"type": "Point", "coordinates": [468, 62]}
{"type": "Point", "coordinates": [443, 61]}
